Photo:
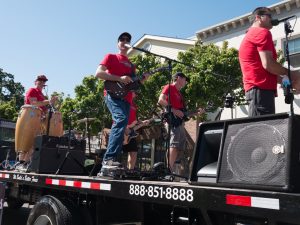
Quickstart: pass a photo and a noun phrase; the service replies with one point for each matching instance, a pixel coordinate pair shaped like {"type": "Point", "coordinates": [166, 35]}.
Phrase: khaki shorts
{"type": "Point", "coordinates": [178, 137]}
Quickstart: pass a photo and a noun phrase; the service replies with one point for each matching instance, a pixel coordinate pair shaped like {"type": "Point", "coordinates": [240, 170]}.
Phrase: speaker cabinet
{"type": "Point", "coordinates": [50, 152]}
{"type": "Point", "coordinates": [206, 152]}
{"type": "Point", "coordinates": [261, 153]}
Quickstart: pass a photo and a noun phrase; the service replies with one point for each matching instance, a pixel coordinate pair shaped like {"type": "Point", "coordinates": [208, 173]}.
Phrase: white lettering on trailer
{"type": "Point", "coordinates": [170, 193]}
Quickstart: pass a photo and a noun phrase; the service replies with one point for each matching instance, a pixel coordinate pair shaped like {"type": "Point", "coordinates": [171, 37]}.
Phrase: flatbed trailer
{"type": "Point", "coordinates": [254, 181]}
{"type": "Point", "coordinates": [109, 201]}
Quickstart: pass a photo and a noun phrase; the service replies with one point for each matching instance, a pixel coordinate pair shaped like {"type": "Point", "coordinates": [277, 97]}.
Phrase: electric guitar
{"type": "Point", "coordinates": [132, 133]}
{"type": "Point", "coordinates": [177, 121]}
{"type": "Point", "coordinates": [118, 89]}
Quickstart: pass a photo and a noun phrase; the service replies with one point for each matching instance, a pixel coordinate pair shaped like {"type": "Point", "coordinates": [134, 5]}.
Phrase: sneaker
{"type": "Point", "coordinates": [110, 164]}
{"type": "Point", "coordinates": [22, 167]}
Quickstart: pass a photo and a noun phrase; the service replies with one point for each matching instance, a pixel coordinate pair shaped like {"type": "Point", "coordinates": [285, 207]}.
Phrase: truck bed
{"type": "Point", "coordinates": [274, 205]}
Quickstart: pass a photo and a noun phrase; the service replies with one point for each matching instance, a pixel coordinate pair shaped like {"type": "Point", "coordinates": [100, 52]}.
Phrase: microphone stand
{"type": "Point", "coordinates": [288, 90]}
{"type": "Point", "coordinates": [169, 60]}
{"type": "Point", "coordinates": [68, 152]}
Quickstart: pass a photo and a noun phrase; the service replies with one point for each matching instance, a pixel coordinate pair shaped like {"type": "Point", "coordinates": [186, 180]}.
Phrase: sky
{"type": "Point", "coordinates": [66, 39]}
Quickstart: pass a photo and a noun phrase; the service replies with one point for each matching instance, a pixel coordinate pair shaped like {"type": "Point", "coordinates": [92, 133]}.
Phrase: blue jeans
{"type": "Point", "coordinates": [119, 110]}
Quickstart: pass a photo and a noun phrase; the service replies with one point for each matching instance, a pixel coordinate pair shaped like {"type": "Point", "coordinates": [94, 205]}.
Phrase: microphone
{"type": "Point", "coordinates": [275, 22]}
{"type": "Point", "coordinates": [139, 49]}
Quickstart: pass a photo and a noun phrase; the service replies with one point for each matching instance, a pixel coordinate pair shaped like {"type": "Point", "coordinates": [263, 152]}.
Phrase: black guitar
{"type": "Point", "coordinates": [177, 121]}
{"type": "Point", "coordinates": [120, 90]}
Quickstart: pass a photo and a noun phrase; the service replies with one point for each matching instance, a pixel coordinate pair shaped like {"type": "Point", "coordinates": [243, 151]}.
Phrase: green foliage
{"type": "Point", "coordinates": [88, 103]}
{"type": "Point", "coordinates": [11, 96]}
{"type": "Point", "coordinates": [214, 72]}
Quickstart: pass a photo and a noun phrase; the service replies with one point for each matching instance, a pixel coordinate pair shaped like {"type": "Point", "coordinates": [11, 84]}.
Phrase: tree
{"type": "Point", "coordinates": [213, 71]}
{"type": "Point", "coordinates": [11, 96]}
{"type": "Point", "coordinates": [88, 103]}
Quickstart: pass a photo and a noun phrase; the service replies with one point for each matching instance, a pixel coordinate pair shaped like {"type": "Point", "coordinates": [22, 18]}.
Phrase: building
{"type": "Point", "coordinates": [233, 31]}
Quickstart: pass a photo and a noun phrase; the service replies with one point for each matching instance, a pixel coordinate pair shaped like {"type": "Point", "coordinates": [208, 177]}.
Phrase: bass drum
{"type": "Point", "coordinates": [27, 128]}
{"type": "Point", "coordinates": [56, 128]}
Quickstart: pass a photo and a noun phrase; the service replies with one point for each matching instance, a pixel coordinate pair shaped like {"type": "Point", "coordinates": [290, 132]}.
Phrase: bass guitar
{"type": "Point", "coordinates": [177, 121]}
{"type": "Point", "coordinates": [133, 131]}
{"type": "Point", "coordinates": [118, 89]}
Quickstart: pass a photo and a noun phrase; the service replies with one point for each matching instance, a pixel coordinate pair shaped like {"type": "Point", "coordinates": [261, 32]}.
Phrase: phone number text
{"type": "Point", "coordinates": [169, 193]}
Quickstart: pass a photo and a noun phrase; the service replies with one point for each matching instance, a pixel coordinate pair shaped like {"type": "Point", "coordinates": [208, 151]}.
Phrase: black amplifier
{"type": "Point", "coordinates": [50, 152]}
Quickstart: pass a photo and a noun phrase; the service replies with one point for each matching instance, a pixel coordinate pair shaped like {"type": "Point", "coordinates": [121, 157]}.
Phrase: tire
{"type": "Point", "coordinates": [80, 214]}
{"type": "Point", "coordinates": [49, 211]}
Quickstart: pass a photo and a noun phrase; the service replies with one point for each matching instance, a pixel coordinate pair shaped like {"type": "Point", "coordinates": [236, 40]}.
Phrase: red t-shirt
{"type": "Point", "coordinates": [132, 113]}
{"type": "Point", "coordinates": [118, 65]}
{"type": "Point", "coordinates": [35, 93]}
{"type": "Point", "coordinates": [176, 99]}
{"type": "Point", "coordinates": [254, 75]}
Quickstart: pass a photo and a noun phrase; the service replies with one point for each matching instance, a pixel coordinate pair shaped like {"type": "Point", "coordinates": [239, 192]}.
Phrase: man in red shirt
{"type": "Point", "coordinates": [116, 67]}
{"type": "Point", "coordinates": [178, 133]}
{"type": "Point", "coordinates": [261, 71]}
{"type": "Point", "coordinates": [34, 96]}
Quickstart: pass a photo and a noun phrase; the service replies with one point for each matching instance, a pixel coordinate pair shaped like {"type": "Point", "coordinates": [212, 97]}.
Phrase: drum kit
{"type": "Point", "coordinates": [31, 122]}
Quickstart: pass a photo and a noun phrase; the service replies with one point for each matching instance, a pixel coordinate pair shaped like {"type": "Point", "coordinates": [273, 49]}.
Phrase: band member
{"type": "Point", "coordinates": [261, 71]}
{"type": "Point", "coordinates": [34, 96]}
{"type": "Point", "coordinates": [131, 147]}
{"type": "Point", "coordinates": [116, 67]}
{"type": "Point", "coordinates": [178, 133]}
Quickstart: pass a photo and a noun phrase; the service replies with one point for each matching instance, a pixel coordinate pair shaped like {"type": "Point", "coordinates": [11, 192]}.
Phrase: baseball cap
{"type": "Point", "coordinates": [41, 78]}
{"type": "Point", "coordinates": [125, 34]}
{"type": "Point", "coordinates": [180, 74]}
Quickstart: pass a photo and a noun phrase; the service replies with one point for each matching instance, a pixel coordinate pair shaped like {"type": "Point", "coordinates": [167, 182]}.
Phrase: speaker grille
{"type": "Point", "coordinates": [255, 153]}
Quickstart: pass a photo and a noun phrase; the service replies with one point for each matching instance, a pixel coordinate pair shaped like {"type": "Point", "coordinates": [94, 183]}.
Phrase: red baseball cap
{"type": "Point", "coordinates": [41, 78]}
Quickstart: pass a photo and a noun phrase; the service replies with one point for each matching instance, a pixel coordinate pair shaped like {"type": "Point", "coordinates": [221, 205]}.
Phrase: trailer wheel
{"type": "Point", "coordinates": [49, 211]}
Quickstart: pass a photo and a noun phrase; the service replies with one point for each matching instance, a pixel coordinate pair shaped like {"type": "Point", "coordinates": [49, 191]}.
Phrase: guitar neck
{"type": "Point", "coordinates": [141, 125]}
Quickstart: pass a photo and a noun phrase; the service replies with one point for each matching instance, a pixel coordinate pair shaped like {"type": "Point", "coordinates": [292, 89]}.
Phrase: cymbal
{"type": "Point", "coordinates": [84, 120]}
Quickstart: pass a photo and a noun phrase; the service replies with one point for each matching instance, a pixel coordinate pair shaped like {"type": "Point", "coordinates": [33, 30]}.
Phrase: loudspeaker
{"type": "Point", "coordinates": [206, 152]}
{"type": "Point", "coordinates": [261, 153]}
{"type": "Point", "coordinates": [49, 153]}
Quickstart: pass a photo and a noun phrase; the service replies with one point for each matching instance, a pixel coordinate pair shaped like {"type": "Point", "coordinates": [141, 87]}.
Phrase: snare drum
{"type": "Point", "coordinates": [56, 128]}
{"type": "Point", "coordinates": [27, 128]}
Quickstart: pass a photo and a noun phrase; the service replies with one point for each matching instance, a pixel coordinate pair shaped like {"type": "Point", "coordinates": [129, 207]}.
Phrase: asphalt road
{"type": "Point", "coordinates": [15, 216]}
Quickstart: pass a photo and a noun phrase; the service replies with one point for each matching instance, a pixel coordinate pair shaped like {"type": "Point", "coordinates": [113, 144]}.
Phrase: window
{"type": "Point", "coordinates": [294, 49]}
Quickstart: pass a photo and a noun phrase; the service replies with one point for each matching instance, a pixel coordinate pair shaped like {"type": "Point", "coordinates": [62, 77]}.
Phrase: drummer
{"type": "Point", "coordinates": [34, 96]}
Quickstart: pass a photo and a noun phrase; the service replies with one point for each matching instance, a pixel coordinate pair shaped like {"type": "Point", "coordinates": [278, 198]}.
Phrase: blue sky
{"type": "Point", "coordinates": [66, 39]}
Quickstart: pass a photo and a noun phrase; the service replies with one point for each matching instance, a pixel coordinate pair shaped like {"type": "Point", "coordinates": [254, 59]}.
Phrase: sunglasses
{"type": "Point", "coordinates": [122, 39]}
{"type": "Point", "coordinates": [267, 14]}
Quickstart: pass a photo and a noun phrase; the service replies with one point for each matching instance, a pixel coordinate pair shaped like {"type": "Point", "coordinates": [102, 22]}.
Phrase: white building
{"type": "Point", "coordinates": [233, 31]}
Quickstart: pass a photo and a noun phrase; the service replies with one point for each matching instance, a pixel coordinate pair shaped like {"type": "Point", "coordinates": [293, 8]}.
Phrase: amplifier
{"type": "Point", "coordinates": [50, 152]}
